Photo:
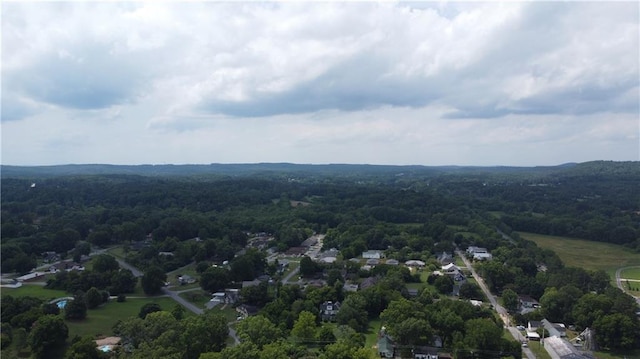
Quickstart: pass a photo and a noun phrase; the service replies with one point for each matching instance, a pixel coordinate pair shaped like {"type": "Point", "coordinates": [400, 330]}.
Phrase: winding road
{"type": "Point", "coordinates": [621, 286]}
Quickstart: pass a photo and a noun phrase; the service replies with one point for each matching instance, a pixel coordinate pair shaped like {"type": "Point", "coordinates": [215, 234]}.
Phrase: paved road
{"type": "Point", "coordinates": [285, 280]}
{"type": "Point", "coordinates": [502, 312]}
{"type": "Point", "coordinates": [621, 286]}
{"type": "Point", "coordinates": [174, 295]}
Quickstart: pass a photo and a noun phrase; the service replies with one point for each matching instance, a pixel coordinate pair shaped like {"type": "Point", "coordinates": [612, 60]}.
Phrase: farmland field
{"type": "Point", "coordinates": [586, 254]}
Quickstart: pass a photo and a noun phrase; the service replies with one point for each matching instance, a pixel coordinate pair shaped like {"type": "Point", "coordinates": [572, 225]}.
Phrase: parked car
{"type": "Point", "coordinates": [520, 327]}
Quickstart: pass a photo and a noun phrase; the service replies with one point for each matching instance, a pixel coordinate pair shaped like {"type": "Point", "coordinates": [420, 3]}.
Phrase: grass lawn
{"type": "Point", "coordinates": [100, 321]}
{"type": "Point", "coordinates": [197, 297]}
{"type": "Point", "coordinates": [537, 349]}
{"type": "Point", "coordinates": [35, 290]}
{"type": "Point", "coordinates": [117, 252]}
{"type": "Point", "coordinates": [587, 254]}
{"type": "Point", "coordinates": [631, 273]}
{"type": "Point", "coordinates": [371, 336]}
{"type": "Point", "coordinates": [617, 355]}
{"type": "Point", "coordinates": [228, 311]}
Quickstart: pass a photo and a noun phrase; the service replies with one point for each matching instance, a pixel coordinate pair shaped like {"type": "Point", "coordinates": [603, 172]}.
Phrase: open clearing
{"type": "Point", "coordinates": [100, 321]}
{"type": "Point", "coordinates": [587, 254]}
{"type": "Point", "coordinates": [35, 290]}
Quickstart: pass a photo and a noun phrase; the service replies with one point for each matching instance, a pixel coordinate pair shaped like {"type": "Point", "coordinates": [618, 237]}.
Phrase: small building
{"type": "Point", "coordinates": [533, 325]}
{"type": "Point", "coordinates": [309, 241]}
{"type": "Point", "coordinates": [421, 352]}
{"type": "Point", "coordinates": [372, 254]}
{"type": "Point", "coordinates": [329, 310]}
{"type": "Point", "coordinates": [392, 262]}
{"type": "Point", "coordinates": [532, 335]}
{"type": "Point", "coordinates": [186, 279]}
{"type": "Point", "coordinates": [50, 257]}
{"type": "Point", "coordinates": [232, 295]}
{"type": "Point", "coordinates": [349, 287]}
{"type": "Point", "coordinates": [296, 251]}
{"type": "Point", "coordinates": [415, 263]}
{"type": "Point", "coordinates": [527, 302]}
{"type": "Point", "coordinates": [368, 282]}
{"type": "Point", "coordinates": [450, 269]}
{"type": "Point", "coordinates": [373, 261]}
{"type": "Point", "coordinates": [386, 346]}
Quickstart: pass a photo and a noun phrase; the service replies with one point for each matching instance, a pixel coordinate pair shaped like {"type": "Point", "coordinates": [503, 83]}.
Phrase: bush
{"type": "Point", "coordinates": [121, 298]}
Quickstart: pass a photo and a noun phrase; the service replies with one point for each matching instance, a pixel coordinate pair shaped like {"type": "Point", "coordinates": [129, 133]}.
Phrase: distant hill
{"type": "Point", "coordinates": [339, 170]}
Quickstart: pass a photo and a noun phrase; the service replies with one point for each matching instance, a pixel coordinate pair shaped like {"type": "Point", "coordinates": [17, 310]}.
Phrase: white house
{"type": "Point", "coordinates": [372, 254]}
{"type": "Point", "coordinates": [451, 268]}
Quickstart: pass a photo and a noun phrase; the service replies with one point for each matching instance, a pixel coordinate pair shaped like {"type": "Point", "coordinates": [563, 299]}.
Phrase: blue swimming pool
{"type": "Point", "coordinates": [61, 304]}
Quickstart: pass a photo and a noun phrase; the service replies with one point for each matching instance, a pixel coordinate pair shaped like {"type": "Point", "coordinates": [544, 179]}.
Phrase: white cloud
{"type": "Point", "coordinates": [428, 83]}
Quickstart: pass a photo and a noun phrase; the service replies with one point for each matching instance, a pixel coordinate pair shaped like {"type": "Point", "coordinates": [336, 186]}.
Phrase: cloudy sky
{"type": "Point", "coordinates": [432, 83]}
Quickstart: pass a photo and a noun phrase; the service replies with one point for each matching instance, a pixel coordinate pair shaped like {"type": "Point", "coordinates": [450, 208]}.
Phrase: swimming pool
{"type": "Point", "coordinates": [61, 304]}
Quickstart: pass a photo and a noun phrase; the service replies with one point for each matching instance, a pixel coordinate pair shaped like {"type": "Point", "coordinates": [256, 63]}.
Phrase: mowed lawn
{"type": "Point", "coordinates": [631, 273]}
{"type": "Point", "coordinates": [35, 290]}
{"type": "Point", "coordinates": [587, 254]}
{"type": "Point", "coordinates": [100, 321]}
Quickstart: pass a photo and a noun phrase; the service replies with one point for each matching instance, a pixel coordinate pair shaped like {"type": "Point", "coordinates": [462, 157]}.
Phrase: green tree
{"type": "Point", "coordinates": [510, 300]}
{"type": "Point", "coordinates": [444, 284]}
{"type": "Point", "coordinates": [84, 348]}
{"type": "Point", "coordinates": [93, 297]}
{"type": "Point", "coordinates": [122, 281]}
{"type": "Point", "coordinates": [48, 336]}
{"type": "Point", "coordinates": [215, 278]}
{"type": "Point", "coordinates": [147, 309]}
{"type": "Point", "coordinates": [304, 328]}
{"type": "Point", "coordinates": [258, 330]}
{"type": "Point", "coordinates": [153, 280]}
{"type": "Point", "coordinates": [470, 291]}
{"type": "Point", "coordinates": [19, 338]}
{"type": "Point", "coordinates": [76, 308]}
{"type": "Point", "coordinates": [307, 267]}
{"type": "Point", "coordinates": [204, 333]}
{"type": "Point", "coordinates": [617, 331]}
{"type": "Point", "coordinates": [178, 312]}
{"type": "Point", "coordinates": [105, 263]}
{"type": "Point", "coordinates": [483, 334]}
{"type": "Point", "coordinates": [325, 334]}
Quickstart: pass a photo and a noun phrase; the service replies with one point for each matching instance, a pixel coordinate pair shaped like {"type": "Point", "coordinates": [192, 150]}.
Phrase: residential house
{"type": "Point", "coordinates": [372, 254]}
{"type": "Point", "coordinates": [250, 283]}
{"type": "Point", "coordinates": [329, 310]}
{"type": "Point", "coordinates": [232, 295]}
{"type": "Point", "coordinates": [349, 287]}
{"type": "Point", "coordinates": [415, 263]}
{"type": "Point", "coordinates": [186, 279]}
{"type": "Point", "coordinates": [528, 302]}
{"type": "Point", "coordinates": [246, 310]}
{"type": "Point", "coordinates": [533, 325]}
{"type": "Point", "coordinates": [368, 282]}
{"type": "Point", "coordinates": [373, 261]}
{"type": "Point", "coordinates": [386, 346]}
{"type": "Point", "coordinates": [50, 257]}
{"type": "Point", "coordinates": [445, 258]}
{"type": "Point", "coordinates": [392, 262]}
{"type": "Point", "coordinates": [479, 253]}
{"type": "Point", "coordinates": [421, 352]}
{"type": "Point", "coordinates": [309, 241]}
{"type": "Point", "coordinates": [450, 269]}
{"type": "Point", "coordinates": [296, 251]}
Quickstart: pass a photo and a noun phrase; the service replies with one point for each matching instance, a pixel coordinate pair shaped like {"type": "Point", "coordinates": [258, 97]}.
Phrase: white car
{"type": "Point", "coordinates": [520, 327]}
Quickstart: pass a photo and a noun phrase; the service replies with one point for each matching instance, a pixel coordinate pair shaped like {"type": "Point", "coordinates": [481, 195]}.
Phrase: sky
{"type": "Point", "coordinates": [399, 83]}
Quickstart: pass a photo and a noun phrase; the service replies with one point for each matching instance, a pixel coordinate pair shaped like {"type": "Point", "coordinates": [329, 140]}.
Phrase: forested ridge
{"type": "Point", "coordinates": [409, 212]}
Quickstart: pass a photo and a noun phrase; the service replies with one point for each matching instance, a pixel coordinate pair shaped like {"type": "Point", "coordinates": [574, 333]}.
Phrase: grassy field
{"type": "Point", "coordinates": [587, 254]}
{"type": "Point", "coordinates": [197, 297]}
{"type": "Point", "coordinates": [100, 321]}
{"type": "Point", "coordinates": [631, 273]}
{"type": "Point", "coordinates": [35, 290]}
{"type": "Point", "coordinates": [371, 336]}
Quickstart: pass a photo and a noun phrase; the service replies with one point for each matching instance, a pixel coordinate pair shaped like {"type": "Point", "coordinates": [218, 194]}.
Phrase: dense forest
{"type": "Point", "coordinates": [409, 212]}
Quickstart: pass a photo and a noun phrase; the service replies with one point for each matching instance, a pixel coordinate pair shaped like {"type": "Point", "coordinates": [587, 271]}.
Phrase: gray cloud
{"type": "Point", "coordinates": [400, 76]}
